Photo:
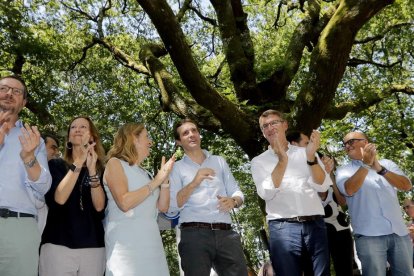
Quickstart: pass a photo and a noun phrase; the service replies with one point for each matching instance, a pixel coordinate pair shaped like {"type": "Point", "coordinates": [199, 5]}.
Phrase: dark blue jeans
{"type": "Point", "coordinates": [287, 240]}
{"type": "Point", "coordinates": [202, 249]}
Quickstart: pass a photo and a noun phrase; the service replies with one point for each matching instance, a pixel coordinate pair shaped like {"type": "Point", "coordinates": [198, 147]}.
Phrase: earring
{"type": "Point", "coordinates": [69, 145]}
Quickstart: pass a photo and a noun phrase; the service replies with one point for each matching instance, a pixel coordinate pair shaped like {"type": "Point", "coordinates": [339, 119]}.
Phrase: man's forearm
{"type": "Point", "coordinates": [184, 194]}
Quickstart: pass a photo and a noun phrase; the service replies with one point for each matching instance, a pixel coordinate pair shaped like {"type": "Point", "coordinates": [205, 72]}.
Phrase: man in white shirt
{"type": "Point", "coordinates": [289, 178]}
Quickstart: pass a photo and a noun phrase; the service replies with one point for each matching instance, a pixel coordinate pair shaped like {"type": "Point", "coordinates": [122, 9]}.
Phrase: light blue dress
{"type": "Point", "coordinates": [132, 239]}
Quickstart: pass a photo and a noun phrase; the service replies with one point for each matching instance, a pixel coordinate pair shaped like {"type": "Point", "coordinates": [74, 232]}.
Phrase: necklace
{"type": "Point", "coordinates": [81, 184]}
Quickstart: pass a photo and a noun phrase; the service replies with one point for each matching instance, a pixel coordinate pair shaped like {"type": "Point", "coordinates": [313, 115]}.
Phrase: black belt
{"type": "Point", "coordinates": [206, 225]}
{"type": "Point", "coordinates": [6, 213]}
{"type": "Point", "coordinates": [299, 218]}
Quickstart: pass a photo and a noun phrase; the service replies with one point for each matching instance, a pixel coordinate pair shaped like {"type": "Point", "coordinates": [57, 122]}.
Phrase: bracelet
{"type": "Point", "coordinates": [30, 163]}
{"type": "Point", "coordinates": [165, 185]}
{"type": "Point", "coordinates": [366, 166]}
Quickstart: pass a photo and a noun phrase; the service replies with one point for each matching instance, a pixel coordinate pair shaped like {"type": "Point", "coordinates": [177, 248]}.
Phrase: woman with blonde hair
{"type": "Point", "coordinates": [73, 238]}
{"type": "Point", "coordinates": [132, 238]}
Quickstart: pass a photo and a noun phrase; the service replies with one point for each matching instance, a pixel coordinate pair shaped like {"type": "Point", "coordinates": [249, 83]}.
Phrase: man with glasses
{"type": "Point", "coordinates": [289, 178]}
{"type": "Point", "coordinates": [24, 179]}
{"type": "Point", "coordinates": [370, 186]}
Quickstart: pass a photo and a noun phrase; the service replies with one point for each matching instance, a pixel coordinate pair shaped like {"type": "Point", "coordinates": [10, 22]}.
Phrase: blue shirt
{"type": "Point", "coordinates": [202, 205]}
{"type": "Point", "coordinates": [17, 192]}
{"type": "Point", "coordinates": [374, 208]}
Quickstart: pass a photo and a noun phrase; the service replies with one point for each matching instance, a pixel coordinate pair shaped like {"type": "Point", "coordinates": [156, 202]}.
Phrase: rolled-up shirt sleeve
{"type": "Point", "coordinates": [40, 187]}
{"type": "Point", "coordinates": [230, 183]}
{"type": "Point", "coordinates": [263, 181]}
{"type": "Point", "coordinates": [327, 182]}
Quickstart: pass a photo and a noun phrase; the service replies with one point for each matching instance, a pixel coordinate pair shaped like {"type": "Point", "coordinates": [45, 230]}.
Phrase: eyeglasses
{"type": "Point", "coordinates": [405, 207]}
{"type": "Point", "coordinates": [15, 91]}
{"type": "Point", "coordinates": [272, 123]}
{"type": "Point", "coordinates": [350, 142]}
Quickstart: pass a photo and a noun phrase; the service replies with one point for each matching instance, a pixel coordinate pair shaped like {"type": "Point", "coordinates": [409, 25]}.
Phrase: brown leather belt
{"type": "Point", "coordinates": [206, 225]}
{"type": "Point", "coordinates": [299, 218]}
{"type": "Point", "coordinates": [6, 213]}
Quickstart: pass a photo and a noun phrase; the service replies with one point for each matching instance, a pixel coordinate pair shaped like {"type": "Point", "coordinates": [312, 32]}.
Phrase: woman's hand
{"type": "Point", "coordinates": [166, 168]}
{"type": "Point", "coordinates": [91, 159]}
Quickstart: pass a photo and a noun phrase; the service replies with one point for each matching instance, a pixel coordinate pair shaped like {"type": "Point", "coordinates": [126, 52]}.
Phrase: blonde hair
{"type": "Point", "coordinates": [123, 146]}
{"type": "Point", "coordinates": [99, 149]}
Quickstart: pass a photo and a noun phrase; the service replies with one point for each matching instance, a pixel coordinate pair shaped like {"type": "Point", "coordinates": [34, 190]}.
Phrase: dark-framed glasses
{"type": "Point", "coordinates": [6, 88]}
{"type": "Point", "coordinates": [350, 142]}
{"type": "Point", "coordinates": [272, 123]}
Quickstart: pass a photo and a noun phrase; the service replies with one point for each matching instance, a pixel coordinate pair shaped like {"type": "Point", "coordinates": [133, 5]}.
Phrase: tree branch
{"type": "Point", "coordinates": [202, 17]}
{"type": "Point", "coordinates": [121, 56]}
{"type": "Point", "coordinates": [84, 53]}
{"type": "Point", "coordinates": [339, 111]}
{"type": "Point", "coordinates": [381, 36]}
{"type": "Point", "coordinates": [231, 118]}
{"type": "Point", "coordinates": [183, 9]}
{"type": "Point", "coordinates": [329, 58]}
{"type": "Point", "coordinates": [237, 47]}
{"type": "Point", "coordinates": [275, 87]}
{"type": "Point", "coordinates": [354, 62]}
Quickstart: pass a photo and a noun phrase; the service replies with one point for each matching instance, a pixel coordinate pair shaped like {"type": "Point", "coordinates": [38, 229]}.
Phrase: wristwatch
{"type": "Point", "coordinates": [311, 163]}
{"type": "Point", "coordinates": [75, 169]}
{"type": "Point", "coordinates": [383, 171]}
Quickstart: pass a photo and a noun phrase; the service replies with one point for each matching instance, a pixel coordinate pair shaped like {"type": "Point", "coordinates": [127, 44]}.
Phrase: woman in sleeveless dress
{"type": "Point", "coordinates": [132, 238]}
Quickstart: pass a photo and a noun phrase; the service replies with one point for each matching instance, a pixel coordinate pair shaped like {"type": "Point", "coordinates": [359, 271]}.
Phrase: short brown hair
{"type": "Point", "coordinates": [273, 112]}
{"type": "Point", "coordinates": [19, 79]}
{"type": "Point", "coordinates": [180, 123]}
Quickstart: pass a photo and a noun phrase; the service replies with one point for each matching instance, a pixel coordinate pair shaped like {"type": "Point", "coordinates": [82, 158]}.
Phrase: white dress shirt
{"type": "Point", "coordinates": [297, 194]}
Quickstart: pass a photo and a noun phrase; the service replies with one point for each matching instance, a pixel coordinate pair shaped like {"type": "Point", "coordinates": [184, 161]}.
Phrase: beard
{"type": "Point", "coordinates": [6, 108]}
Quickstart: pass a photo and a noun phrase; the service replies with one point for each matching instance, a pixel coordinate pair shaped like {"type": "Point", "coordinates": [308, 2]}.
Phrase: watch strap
{"type": "Point", "coordinates": [383, 171]}
{"type": "Point", "coordinates": [311, 163]}
{"type": "Point", "coordinates": [73, 168]}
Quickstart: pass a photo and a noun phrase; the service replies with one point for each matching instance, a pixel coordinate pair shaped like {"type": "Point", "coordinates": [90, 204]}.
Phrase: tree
{"type": "Point", "coordinates": [338, 65]}
{"type": "Point", "coordinates": [205, 59]}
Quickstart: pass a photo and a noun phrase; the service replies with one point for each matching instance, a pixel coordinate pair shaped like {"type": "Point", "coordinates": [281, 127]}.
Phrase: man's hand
{"type": "Point", "coordinates": [5, 125]}
{"type": "Point", "coordinates": [278, 145]}
{"type": "Point", "coordinates": [313, 145]}
{"type": "Point", "coordinates": [328, 163]}
{"type": "Point", "coordinates": [369, 153]}
{"type": "Point", "coordinates": [202, 174]}
{"type": "Point", "coordinates": [225, 204]}
{"type": "Point", "coordinates": [30, 140]}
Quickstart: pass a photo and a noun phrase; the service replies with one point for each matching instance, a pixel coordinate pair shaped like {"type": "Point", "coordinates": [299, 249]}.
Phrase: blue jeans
{"type": "Point", "coordinates": [375, 251]}
{"type": "Point", "coordinates": [289, 239]}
